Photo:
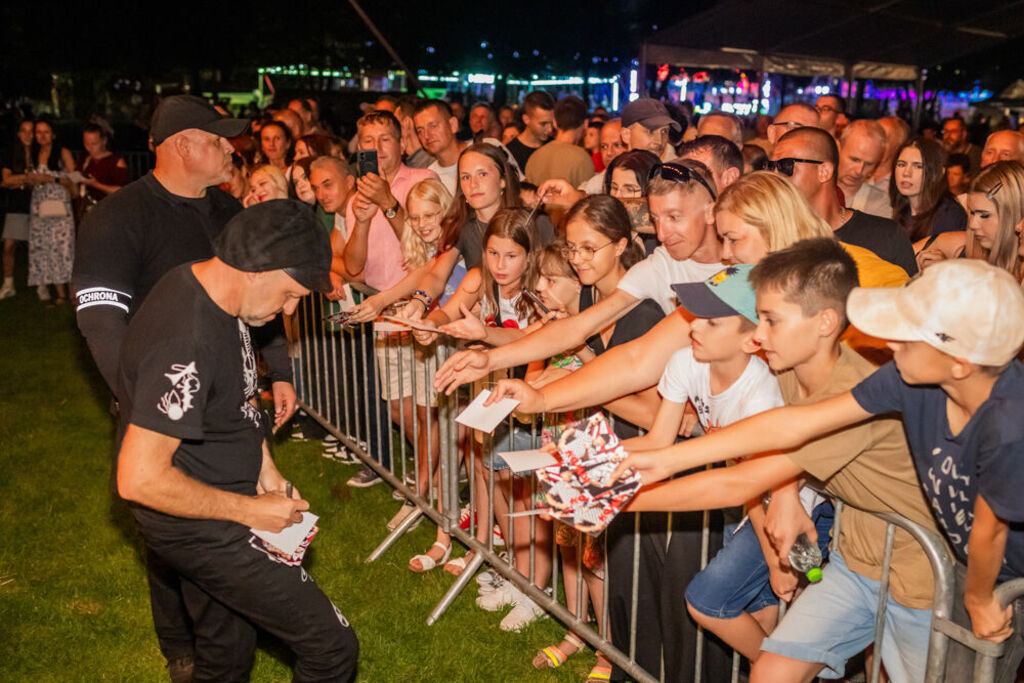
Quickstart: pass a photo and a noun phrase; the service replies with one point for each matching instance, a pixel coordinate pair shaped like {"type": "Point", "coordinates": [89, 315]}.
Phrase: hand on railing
{"type": "Point", "coordinates": [337, 288]}
{"type": "Point", "coordinates": [989, 619]}
{"type": "Point", "coordinates": [462, 368]}
{"type": "Point", "coordinates": [468, 326]}
{"type": "Point", "coordinates": [531, 401]}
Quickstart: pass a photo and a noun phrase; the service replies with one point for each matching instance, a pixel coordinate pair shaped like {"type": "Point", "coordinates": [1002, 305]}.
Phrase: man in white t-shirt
{"type": "Point", "coordinates": [681, 200]}
{"type": "Point", "coordinates": [436, 127]}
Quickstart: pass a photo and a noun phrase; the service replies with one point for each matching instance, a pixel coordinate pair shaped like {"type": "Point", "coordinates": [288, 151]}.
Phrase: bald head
{"type": "Point", "coordinates": [817, 144]}
{"type": "Point", "coordinates": [722, 124]}
{"type": "Point", "coordinates": [792, 117]}
{"type": "Point", "coordinates": [1003, 145]}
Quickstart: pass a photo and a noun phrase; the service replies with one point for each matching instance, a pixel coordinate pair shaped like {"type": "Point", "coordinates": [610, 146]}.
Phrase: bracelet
{"type": "Point", "coordinates": [423, 298]}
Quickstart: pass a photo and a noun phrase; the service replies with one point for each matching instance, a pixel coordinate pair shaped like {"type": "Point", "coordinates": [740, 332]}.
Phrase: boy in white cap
{"type": "Point", "coordinates": [955, 332]}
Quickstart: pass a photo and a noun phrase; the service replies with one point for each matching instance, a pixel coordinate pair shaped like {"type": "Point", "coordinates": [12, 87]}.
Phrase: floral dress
{"type": "Point", "coordinates": [51, 239]}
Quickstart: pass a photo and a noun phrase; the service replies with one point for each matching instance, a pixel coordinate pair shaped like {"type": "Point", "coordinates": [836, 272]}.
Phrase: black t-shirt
{"type": "Point", "coordinates": [949, 216]}
{"type": "Point", "coordinates": [520, 152]}
{"type": "Point", "coordinates": [471, 238]}
{"type": "Point", "coordinates": [140, 232]}
{"type": "Point", "coordinates": [882, 236]}
{"type": "Point", "coordinates": [633, 325]}
{"type": "Point", "coordinates": [187, 370]}
{"type": "Point", "coordinates": [18, 201]}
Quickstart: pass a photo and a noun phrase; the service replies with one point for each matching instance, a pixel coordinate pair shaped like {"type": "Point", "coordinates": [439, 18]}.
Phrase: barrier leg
{"type": "Point", "coordinates": [456, 588]}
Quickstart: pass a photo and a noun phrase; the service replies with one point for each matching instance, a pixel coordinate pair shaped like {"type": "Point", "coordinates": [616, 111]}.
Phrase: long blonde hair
{"type": "Point", "coordinates": [415, 251]}
{"type": "Point", "coordinates": [774, 206]}
{"type": "Point", "coordinates": [1002, 183]}
{"type": "Point", "coordinates": [274, 175]}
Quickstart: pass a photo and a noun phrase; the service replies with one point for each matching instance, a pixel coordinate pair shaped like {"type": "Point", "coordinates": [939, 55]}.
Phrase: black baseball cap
{"type": "Point", "coordinates": [650, 112]}
{"type": "Point", "coordinates": [181, 112]}
{"type": "Point", "coordinates": [280, 234]}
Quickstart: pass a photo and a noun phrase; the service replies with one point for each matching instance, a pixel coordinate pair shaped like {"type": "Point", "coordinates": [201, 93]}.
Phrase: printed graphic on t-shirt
{"type": "Point", "coordinates": [945, 488]}
{"type": "Point", "coordinates": [185, 383]}
{"type": "Point", "coordinates": [249, 376]}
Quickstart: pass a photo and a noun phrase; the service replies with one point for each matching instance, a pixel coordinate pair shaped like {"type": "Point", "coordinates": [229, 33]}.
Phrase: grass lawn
{"type": "Point", "coordinates": [74, 603]}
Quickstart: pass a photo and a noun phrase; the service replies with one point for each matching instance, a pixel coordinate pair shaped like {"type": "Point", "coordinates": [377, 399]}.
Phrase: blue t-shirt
{"type": "Point", "coordinates": [986, 457]}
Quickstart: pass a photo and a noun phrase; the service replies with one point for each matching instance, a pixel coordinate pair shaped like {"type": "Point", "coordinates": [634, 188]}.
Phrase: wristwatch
{"type": "Point", "coordinates": [393, 211]}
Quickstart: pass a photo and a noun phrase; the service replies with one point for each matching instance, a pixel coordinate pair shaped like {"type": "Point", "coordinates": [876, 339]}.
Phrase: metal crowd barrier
{"type": "Point", "coordinates": [339, 380]}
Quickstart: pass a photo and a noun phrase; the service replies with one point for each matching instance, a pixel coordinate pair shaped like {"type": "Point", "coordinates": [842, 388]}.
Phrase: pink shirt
{"type": "Point", "coordinates": [384, 261]}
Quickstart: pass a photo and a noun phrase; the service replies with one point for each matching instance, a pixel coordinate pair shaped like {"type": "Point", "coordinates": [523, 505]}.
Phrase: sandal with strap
{"type": "Point", "coordinates": [427, 562]}
{"type": "Point", "coordinates": [601, 672]}
{"type": "Point", "coordinates": [458, 565]}
{"type": "Point", "coordinates": [554, 656]}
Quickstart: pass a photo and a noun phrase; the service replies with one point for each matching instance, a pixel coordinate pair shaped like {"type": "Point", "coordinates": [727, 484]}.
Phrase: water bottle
{"type": "Point", "coordinates": [805, 557]}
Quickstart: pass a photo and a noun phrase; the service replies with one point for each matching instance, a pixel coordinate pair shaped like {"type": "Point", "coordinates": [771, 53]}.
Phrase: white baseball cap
{"type": "Point", "coordinates": [963, 307]}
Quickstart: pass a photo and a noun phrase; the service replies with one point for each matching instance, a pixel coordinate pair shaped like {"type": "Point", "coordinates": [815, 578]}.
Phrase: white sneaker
{"type": "Point", "coordinates": [44, 292]}
{"type": "Point", "coordinates": [505, 594]}
{"type": "Point", "coordinates": [525, 612]}
{"type": "Point", "coordinates": [7, 291]}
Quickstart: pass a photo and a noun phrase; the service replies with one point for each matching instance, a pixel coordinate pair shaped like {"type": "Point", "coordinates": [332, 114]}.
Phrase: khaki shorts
{"type": "Point", "coordinates": [398, 357]}
{"type": "Point", "coordinates": [16, 227]}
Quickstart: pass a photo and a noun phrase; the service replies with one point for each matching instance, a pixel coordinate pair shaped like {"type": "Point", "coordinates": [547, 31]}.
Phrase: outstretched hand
{"type": "Point", "coordinates": [531, 401]}
{"type": "Point", "coordinates": [461, 368]}
{"type": "Point", "coordinates": [468, 326]}
{"type": "Point", "coordinates": [650, 465]}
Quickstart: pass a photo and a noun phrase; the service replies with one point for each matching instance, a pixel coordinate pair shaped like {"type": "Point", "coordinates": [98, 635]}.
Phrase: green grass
{"type": "Point", "coordinates": [74, 604]}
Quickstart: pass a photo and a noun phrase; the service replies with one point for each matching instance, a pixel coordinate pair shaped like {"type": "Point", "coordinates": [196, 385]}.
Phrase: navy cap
{"type": "Point", "coordinates": [280, 234]}
{"type": "Point", "coordinates": [650, 112]}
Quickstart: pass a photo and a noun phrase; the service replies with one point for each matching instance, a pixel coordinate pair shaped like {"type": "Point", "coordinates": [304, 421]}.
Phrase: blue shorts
{"type": "Point", "coordinates": [834, 619]}
{"type": "Point", "coordinates": [737, 578]}
{"type": "Point", "coordinates": [522, 437]}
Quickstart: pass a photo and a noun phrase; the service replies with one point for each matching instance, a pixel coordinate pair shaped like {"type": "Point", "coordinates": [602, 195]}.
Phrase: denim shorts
{"type": "Point", "coordinates": [834, 619]}
{"type": "Point", "coordinates": [737, 578]}
{"type": "Point", "coordinates": [522, 437]}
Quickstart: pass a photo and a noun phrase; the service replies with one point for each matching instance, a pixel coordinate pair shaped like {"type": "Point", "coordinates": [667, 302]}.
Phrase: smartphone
{"type": "Point", "coordinates": [366, 162]}
{"type": "Point", "coordinates": [536, 301]}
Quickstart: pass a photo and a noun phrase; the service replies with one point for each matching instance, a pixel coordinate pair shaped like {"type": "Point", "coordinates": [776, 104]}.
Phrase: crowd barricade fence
{"type": "Point", "coordinates": [347, 378]}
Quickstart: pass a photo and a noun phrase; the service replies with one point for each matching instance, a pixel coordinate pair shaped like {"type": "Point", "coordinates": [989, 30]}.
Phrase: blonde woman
{"type": "Point", "coordinates": [996, 202]}
{"type": "Point", "coordinates": [764, 212]}
{"type": "Point", "coordinates": [266, 182]}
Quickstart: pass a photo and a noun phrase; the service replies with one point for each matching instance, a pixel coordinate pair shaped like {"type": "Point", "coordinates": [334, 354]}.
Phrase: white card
{"type": "Point", "coordinates": [389, 327]}
{"type": "Point", "coordinates": [527, 461]}
{"type": "Point", "coordinates": [485, 419]}
{"type": "Point", "coordinates": [288, 539]}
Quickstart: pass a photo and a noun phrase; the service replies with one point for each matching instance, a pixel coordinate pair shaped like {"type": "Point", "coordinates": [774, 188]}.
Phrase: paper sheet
{"type": "Point", "coordinates": [485, 419]}
{"type": "Point", "coordinates": [413, 324]}
{"type": "Point", "coordinates": [288, 539]}
{"type": "Point", "coordinates": [527, 461]}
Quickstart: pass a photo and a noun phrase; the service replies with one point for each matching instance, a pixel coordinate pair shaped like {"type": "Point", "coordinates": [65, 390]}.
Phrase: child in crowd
{"type": "Point", "coordinates": [801, 304]}
{"type": "Point", "coordinates": [489, 307]}
{"type": "Point", "coordinates": [718, 374]}
{"type": "Point", "coordinates": [427, 203]}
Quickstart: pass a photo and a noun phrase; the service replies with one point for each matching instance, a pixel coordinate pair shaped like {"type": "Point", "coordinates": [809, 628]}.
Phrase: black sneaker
{"type": "Point", "coordinates": [365, 479]}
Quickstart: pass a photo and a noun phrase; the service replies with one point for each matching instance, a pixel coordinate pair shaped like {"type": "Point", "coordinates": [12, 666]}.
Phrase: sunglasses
{"type": "Point", "coordinates": [679, 173]}
{"type": "Point", "coordinates": [786, 166]}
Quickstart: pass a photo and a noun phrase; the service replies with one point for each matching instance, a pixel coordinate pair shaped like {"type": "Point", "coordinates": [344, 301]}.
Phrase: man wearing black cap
{"type": "Point", "coordinates": [645, 124]}
{"type": "Point", "coordinates": [129, 241]}
{"type": "Point", "coordinates": [193, 461]}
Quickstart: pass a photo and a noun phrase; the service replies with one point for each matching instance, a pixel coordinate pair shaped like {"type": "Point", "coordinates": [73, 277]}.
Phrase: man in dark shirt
{"type": "Point", "coordinates": [193, 460]}
{"type": "Point", "coordinates": [810, 158]}
{"type": "Point", "coordinates": [129, 241]}
{"type": "Point", "coordinates": [539, 122]}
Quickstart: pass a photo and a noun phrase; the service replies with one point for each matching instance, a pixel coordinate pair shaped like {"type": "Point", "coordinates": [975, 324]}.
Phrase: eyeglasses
{"type": "Point", "coordinates": [425, 218]}
{"type": "Point", "coordinates": [586, 252]}
{"type": "Point", "coordinates": [786, 166]}
{"type": "Point", "coordinates": [824, 108]}
{"type": "Point", "coordinates": [678, 173]}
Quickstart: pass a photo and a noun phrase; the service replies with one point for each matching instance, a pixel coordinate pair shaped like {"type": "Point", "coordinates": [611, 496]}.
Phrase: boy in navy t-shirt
{"type": "Point", "coordinates": [955, 332]}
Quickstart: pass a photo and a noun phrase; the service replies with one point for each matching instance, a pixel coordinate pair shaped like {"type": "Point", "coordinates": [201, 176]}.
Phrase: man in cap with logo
{"type": "Point", "coordinates": [129, 241]}
{"type": "Point", "coordinates": [645, 124]}
{"type": "Point", "coordinates": [194, 462]}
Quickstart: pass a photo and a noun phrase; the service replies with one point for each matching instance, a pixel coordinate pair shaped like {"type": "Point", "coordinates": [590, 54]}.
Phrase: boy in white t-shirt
{"type": "Point", "coordinates": [723, 379]}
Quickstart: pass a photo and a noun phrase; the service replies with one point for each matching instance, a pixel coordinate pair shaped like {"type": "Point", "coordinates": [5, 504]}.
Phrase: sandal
{"type": "Point", "coordinates": [427, 562]}
{"type": "Point", "coordinates": [601, 672]}
{"type": "Point", "coordinates": [458, 565]}
{"type": "Point", "coordinates": [554, 656]}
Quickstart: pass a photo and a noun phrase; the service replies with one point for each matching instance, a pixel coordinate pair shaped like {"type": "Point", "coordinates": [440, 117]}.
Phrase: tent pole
{"type": "Point", "coordinates": [919, 101]}
{"type": "Point", "coordinates": [410, 76]}
{"type": "Point", "coordinates": [642, 71]}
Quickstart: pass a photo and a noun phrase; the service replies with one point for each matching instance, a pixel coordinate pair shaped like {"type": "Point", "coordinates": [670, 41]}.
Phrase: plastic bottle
{"type": "Point", "coordinates": [805, 557]}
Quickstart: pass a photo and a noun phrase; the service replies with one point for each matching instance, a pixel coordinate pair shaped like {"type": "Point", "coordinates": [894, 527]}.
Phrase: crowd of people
{"type": "Point", "coordinates": [682, 275]}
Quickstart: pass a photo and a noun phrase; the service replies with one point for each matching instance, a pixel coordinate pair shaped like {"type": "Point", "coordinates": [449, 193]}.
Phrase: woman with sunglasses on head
{"type": "Point", "coordinates": [919, 192]}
